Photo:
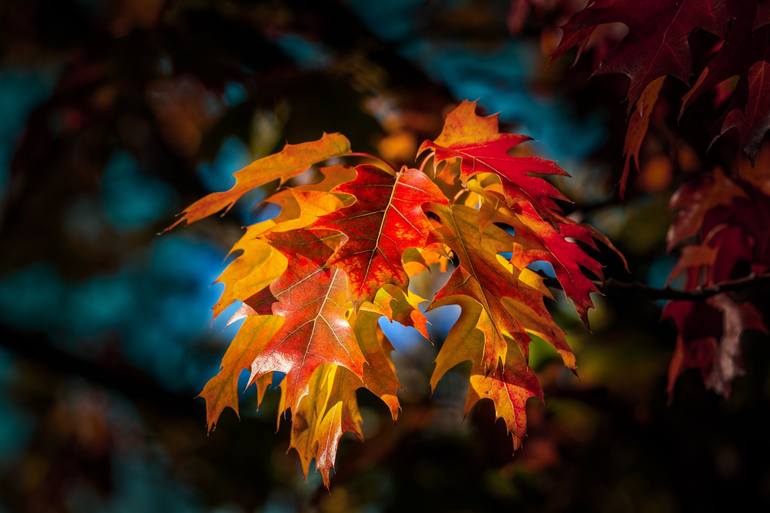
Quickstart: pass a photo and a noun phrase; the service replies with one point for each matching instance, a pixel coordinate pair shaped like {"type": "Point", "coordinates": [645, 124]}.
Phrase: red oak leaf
{"type": "Point", "coordinates": [638, 124]}
{"type": "Point", "coordinates": [481, 148]}
{"type": "Point", "coordinates": [538, 239]}
{"type": "Point", "coordinates": [728, 222]}
{"type": "Point", "coordinates": [657, 43]}
{"type": "Point", "coordinates": [313, 300]}
{"type": "Point", "coordinates": [709, 336]}
{"type": "Point", "coordinates": [386, 219]}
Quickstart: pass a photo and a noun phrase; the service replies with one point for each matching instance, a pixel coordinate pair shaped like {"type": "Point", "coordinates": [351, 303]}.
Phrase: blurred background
{"type": "Point", "coordinates": [116, 114]}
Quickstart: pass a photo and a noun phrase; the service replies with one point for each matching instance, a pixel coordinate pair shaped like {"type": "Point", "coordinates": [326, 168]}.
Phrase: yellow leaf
{"type": "Point", "coordinates": [328, 409]}
{"type": "Point", "coordinates": [257, 266]}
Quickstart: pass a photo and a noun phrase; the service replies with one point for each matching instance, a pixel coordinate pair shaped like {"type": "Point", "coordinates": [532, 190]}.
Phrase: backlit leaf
{"type": "Point", "coordinates": [386, 219]}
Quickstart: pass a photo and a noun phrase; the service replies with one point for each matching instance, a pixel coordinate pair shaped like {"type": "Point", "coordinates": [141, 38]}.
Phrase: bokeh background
{"type": "Point", "coordinates": [116, 114]}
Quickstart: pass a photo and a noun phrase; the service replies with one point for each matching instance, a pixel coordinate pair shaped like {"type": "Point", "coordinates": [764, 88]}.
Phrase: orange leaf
{"type": "Point", "coordinates": [292, 160]}
{"type": "Point", "coordinates": [637, 128]}
{"type": "Point", "coordinates": [221, 391]}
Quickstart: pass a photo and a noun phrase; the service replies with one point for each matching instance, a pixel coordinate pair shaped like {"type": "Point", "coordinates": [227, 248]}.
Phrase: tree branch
{"type": "Point", "coordinates": [613, 287]}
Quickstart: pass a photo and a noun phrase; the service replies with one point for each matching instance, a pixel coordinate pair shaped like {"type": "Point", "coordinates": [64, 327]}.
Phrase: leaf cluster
{"type": "Point", "coordinates": [314, 281]}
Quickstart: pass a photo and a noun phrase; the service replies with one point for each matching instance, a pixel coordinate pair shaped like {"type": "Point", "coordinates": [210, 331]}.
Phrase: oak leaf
{"type": "Point", "coordinates": [386, 219]}
{"type": "Point", "coordinates": [484, 275]}
{"type": "Point", "coordinates": [344, 252]}
{"type": "Point", "coordinates": [657, 43]}
{"type": "Point", "coordinates": [324, 414]}
{"type": "Point", "coordinates": [379, 371]}
{"type": "Point", "coordinates": [313, 301]}
{"type": "Point", "coordinates": [221, 392]}
{"type": "Point", "coordinates": [477, 142]}
{"type": "Point", "coordinates": [722, 219]}
{"type": "Point", "coordinates": [256, 266]}
{"type": "Point", "coordinates": [508, 384]}
{"type": "Point", "coordinates": [509, 387]}
{"type": "Point", "coordinates": [291, 161]}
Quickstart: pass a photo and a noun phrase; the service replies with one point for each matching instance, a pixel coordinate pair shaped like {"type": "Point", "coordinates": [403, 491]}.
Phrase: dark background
{"type": "Point", "coordinates": [114, 115]}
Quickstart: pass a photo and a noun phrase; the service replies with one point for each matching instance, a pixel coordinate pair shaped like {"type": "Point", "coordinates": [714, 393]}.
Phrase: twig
{"type": "Point", "coordinates": [613, 287]}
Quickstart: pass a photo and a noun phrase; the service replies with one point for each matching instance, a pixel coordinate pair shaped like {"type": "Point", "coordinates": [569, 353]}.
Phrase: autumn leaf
{"type": "Point", "coordinates": [313, 301]}
{"type": "Point", "coordinates": [330, 409]}
{"type": "Point", "coordinates": [221, 391]}
{"type": "Point", "coordinates": [709, 339]}
{"type": "Point", "coordinates": [256, 266]}
{"type": "Point", "coordinates": [695, 199]}
{"type": "Point", "coordinates": [471, 339]}
{"type": "Point", "coordinates": [324, 414]}
{"type": "Point", "coordinates": [379, 372]}
{"type": "Point", "coordinates": [292, 160]}
{"type": "Point", "coordinates": [657, 46]}
{"type": "Point", "coordinates": [385, 220]}
{"type": "Point", "coordinates": [752, 119]}
{"type": "Point", "coordinates": [302, 205]}
{"type": "Point", "coordinates": [744, 53]}
{"type": "Point", "coordinates": [477, 142]}
{"type": "Point", "coordinates": [720, 226]}
{"type": "Point", "coordinates": [539, 214]}
{"type": "Point", "coordinates": [637, 128]}
{"type": "Point", "coordinates": [315, 281]}
{"type": "Point", "coordinates": [485, 276]}
{"type": "Point", "coordinates": [657, 43]}
{"type": "Point", "coordinates": [257, 263]}
{"type": "Point", "coordinates": [401, 306]}
{"type": "Point", "coordinates": [731, 56]}
{"type": "Point", "coordinates": [420, 260]}
{"type": "Point", "coordinates": [539, 240]}
{"type": "Point", "coordinates": [509, 387]}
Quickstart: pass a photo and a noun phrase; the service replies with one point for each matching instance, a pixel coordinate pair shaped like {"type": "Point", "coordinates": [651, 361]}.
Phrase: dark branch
{"type": "Point", "coordinates": [614, 287]}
